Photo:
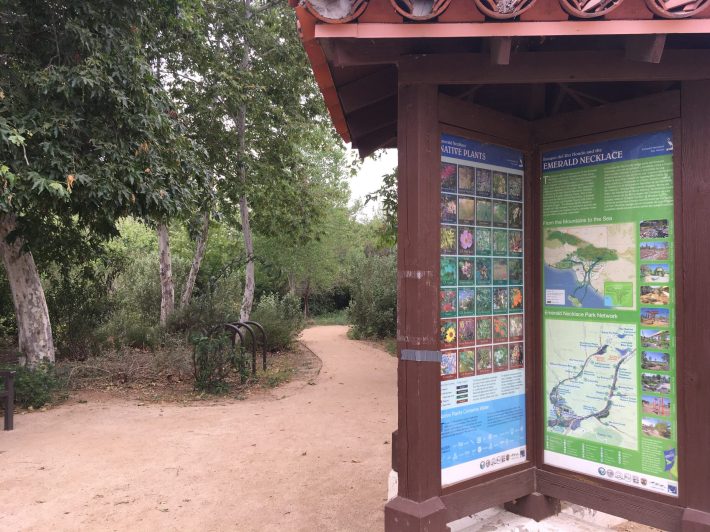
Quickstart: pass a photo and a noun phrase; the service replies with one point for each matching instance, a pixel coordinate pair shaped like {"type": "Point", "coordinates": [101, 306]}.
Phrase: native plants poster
{"type": "Point", "coordinates": [481, 309]}
{"type": "Point", "coordinates": [609, 311]}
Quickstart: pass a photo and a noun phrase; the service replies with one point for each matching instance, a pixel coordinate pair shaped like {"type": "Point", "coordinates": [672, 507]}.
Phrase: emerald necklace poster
{"type": "Point", "coordinates": [609, 311]}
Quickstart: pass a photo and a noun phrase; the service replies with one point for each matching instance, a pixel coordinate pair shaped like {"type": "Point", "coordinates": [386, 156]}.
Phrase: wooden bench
{"type": "Point", "coordinates": [7, 397]}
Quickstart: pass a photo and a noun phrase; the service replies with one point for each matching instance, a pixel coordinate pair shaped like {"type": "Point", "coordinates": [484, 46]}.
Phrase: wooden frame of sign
{"type": "Point", "coordinates": [534, 488]}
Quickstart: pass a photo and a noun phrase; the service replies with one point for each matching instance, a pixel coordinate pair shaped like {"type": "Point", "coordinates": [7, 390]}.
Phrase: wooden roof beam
{"type": "Point", "coordinates": [372, 118]}
{"type": "Point", "coordinates": [552, 67]}
{"type": "Point", "coordinates": [385, 137]}
{"type": "Point", "coordinates": [369, 90]}
{"type": "Point", "coordinates": [646, 48]}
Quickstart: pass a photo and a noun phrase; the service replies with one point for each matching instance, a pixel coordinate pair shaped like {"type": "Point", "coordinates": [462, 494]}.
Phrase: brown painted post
{"type": "Point", "coordinates": [693, 330]}
{"type": "Point", "coordinates": [418, 506]}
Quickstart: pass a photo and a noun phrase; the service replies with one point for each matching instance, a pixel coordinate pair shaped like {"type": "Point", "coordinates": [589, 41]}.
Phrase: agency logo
{"type": "Point", "coordinates": [602, 471]}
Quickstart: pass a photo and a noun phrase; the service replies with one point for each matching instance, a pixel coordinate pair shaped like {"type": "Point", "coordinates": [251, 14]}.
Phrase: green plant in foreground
{"type": "Point", "coordinates": [35, 387]}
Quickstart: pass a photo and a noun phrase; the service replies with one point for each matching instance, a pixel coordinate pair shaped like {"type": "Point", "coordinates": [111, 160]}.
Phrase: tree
{"type": "Point", "coordinates": [246, 91]}
{"type": "Point", "coordinates": [87, 134]}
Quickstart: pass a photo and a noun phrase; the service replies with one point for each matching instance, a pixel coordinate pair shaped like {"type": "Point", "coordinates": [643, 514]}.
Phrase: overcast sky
{"type": "Point", "coordinates": [369, 178]}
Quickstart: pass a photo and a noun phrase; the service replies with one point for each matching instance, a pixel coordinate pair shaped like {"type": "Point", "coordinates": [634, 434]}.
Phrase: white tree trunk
{"type": "Point", "coordinates": [200, 247]}
{"type": "Point", "coordinates": [249, 283]}
{"type": "Point", "coordinates": [34, 331]}
{"type": "Point", "coordinates": [167, 288]}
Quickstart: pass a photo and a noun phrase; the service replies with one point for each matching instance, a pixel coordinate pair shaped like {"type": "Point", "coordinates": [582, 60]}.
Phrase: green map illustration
{"type": "Point", "coordinates": [591, 385]}
{"type": "Point", "coordinates": [591, 266]}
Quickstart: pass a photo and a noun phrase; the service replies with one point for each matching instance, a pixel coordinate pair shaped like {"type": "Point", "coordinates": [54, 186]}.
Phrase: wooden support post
{"type": "Point", "coordinates": [418, 506]}
{"type": "Point", "coordinates": [693, 334]}
{"type": "Point", "coordinates": [645, 48]}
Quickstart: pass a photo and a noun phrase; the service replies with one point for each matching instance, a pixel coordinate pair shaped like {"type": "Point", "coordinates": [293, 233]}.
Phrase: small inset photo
{"type": "Point", "coordinates": [448, 208]}
{"type": "Point", "coordinates": [483, 330]}
{"type": "Point", "coordinates": [483, 360]}
{"type": "Point", "coordinates": [447, 271]}
{"type": "Point", "coordinates": [655, 317]}
{"type": "Point", "coordinates": [656, 383]}
{"type": "Point", "coordinates": [654, 229]}
{"type": "Point", "coordinates": [515, 215]}
{"type": "Point", "coordinates": [655, 273]}
{"type": "Point", "coordinates": [500, 185]}
{"type": "Point", "coordinates": [652, 404]}
{"type": "Point", "coordinates": [448, 240]}
{"type": "Point", "coordinates": [448, 365]}
{"type": "Point", "coordinates": [500, 242]}
{"type": "Point", "coordinates": [515, 243]}
{"type": "Point", "coordinates": [655, 338]}
{"type": "Point", "coordinates": [467, 180]}
{"type": "Point", "coordinates": [500, 213]}
{"type": "Point", "coordinates": [467, 332]}
{"type": "Point", "coordinates": [500, 271]}
{"type": "Point", "coordinates": [517, 359]}
{"type": "Point", "coordinates": [516, 327]}
{"type": "Point", "coordinates": [467, 210]}
{"type": "Point", "coordinates": [466, 240]}
{"type": "Point", "coordinates": [500, 300]}
{"type": "Point", "coordinates": [483, 241]}
{"type": "Point", "coordinates": [656, 428]}
{"type": "Point", "coordinates": [448, 177]}
{"type": "Point", "coordinates": [654, 251]}
{"type": "Point", "coordinates": [500, 329]}
{"type": "Point", "coordinates": [467, 275]}
{"type": "Point", "coordinates": [483, 212]}
{"type": "Point", "coordinates": [447, 303]}
{"type": "Point", "coordinates": [467, 301]}
{"type": "Point", "coordinates": [500, 357]}
{"type": "Point", "coordinates": [655, 361]}
{"type": "Point", "coordinates": [484, 301]}
{"type": "Point", "coordinates": [467, 363]}
{"type": "Point", "coordinates": [516, 299]}
{"type": "Point", "coordinates": [515, 187]}
{"type": "Point", "coordinates": [655, 295]}
{"type": "Point", "coordinates": [447, 334]}
{"type": "Point", "coordinates": [483, 270]}
{"type": "Point", "coordinates": [515, 271]}
{"type": "Point", "coordinates": [483, 182]}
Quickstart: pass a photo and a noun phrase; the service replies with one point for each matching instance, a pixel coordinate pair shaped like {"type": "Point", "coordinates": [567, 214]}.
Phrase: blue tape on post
{"type": "Point", "coordinates": [421, 356]}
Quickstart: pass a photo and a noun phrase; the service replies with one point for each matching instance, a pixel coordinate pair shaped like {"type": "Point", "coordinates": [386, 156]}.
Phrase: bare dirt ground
{"type": "Point", "coordinates": [313, 454]}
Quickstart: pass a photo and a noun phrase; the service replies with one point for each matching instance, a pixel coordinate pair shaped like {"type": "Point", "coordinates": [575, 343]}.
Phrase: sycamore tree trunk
{"type": "Point", "coordinates": [167, 287]}
{"type": "Point", "coordinates": [34, 331]}
{"type": "Point", "coordinates": [200, 247]}
{"type": "Point", "coordinates": [249, 284]}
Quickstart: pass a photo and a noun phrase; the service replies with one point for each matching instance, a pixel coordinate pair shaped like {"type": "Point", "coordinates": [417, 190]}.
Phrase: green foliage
{"type": "Point", "coordinates": [213, 358]}
{"type": "Point", "coordinates": [373, 309]}
{"type": "Point", "coordinates": [86, 133]}
{"type": "Point", "coordinates": [35, 387]}
{"type": "Point", "coordinates": [387, 196]}
{"type": "Point", "coordinates": [281, 318]}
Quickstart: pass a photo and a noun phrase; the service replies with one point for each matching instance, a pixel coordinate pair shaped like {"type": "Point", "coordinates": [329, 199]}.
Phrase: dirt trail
{"type": "Point", "coordinates": [306, 457]}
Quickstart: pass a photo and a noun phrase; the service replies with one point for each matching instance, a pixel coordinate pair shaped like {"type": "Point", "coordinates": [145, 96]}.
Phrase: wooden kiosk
{"type": "Point", "coordinates": [554, 183]}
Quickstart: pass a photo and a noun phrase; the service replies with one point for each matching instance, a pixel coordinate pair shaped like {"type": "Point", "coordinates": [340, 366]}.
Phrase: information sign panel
{"type": "Point", "coordinates": [481, 305]}
{"type": "Point", "coordinates": [609, 311]}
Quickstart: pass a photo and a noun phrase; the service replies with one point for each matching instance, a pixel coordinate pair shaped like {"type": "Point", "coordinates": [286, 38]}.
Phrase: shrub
{"type": "Point", "coordinates": [212, 359]}
{"type": "Point", "coordinates": [281, 318]}
{"type": "Point", "coordinates": [35, 387]}
{"type": "Point", "coordinates": [373, 307]}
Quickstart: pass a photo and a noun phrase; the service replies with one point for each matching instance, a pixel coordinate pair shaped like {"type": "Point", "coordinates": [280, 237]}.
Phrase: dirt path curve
{"type": "Point", "coordinates": [307, 457]}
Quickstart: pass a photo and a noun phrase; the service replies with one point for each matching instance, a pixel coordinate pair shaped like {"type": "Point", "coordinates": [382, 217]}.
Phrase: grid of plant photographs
{"type": "Point", "coordinates": [481, 293]}
{"type": "Point", "coordinates": [656, 333]}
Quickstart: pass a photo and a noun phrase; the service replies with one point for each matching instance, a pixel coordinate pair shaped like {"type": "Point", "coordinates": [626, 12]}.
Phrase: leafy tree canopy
{"type": "Point", "coordinates": [87, 134]}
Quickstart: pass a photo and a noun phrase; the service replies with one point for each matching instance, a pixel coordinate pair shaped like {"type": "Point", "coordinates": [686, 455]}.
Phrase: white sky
{"type": "Point", "coordinates": [369, 178]}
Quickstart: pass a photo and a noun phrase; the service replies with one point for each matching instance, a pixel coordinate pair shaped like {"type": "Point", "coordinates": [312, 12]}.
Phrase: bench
{"type": "Point", "coordinates": [7, 397]}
